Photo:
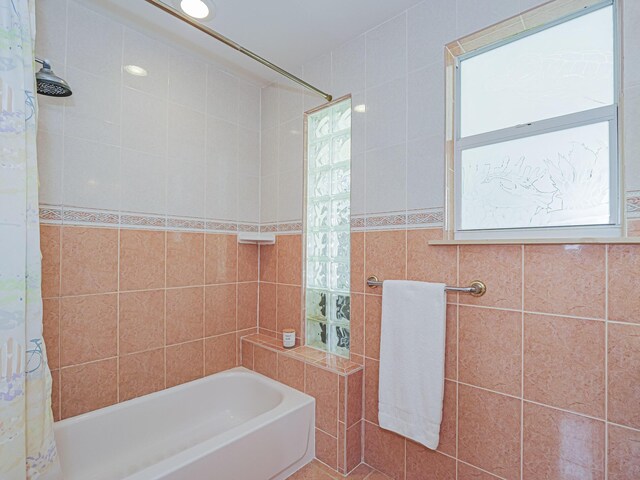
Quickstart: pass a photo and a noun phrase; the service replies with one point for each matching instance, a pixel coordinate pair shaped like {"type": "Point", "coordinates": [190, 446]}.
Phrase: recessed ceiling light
{"type": "Point", "coordinates": [362, 108]}
{"type": "Point", "coordinates": [135, 70]}
{"type": "Point", "coordinates": [199, 9]}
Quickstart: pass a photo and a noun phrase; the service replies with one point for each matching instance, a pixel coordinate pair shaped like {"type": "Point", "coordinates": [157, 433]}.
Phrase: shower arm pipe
{"type": "Point", "coordinates": [221, 38]}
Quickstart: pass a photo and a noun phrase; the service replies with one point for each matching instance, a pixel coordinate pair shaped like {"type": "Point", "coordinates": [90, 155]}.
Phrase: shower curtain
{"type": "Point", "coordinates": [27, 446]}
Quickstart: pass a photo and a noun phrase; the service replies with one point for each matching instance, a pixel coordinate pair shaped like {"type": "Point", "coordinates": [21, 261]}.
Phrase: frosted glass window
{"type": "Point", "coordinates": [555, 179]}
{"type": "Point", "coordinates": [563, 69]}
{"type": "Point", "coordinates": [328, 229]}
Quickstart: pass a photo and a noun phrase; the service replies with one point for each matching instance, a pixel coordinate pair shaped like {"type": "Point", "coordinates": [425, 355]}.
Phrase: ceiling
{"type": "Point", "coordinates": [286, 32]}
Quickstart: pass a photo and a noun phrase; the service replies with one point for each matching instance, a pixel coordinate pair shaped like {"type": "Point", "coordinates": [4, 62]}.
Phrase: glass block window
{"type": "Point", "coordinates": [328, 228]}
{"type": "Point", "coordinates": [536, 131]}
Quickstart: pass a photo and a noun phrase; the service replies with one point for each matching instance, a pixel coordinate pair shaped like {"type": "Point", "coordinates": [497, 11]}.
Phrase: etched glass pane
{"type": "Point", "coordinates": [328, 224]}
{"type": "Point", "coordinates": [554, 179]}
{"type": "Point", "coordinates": [564, 69]}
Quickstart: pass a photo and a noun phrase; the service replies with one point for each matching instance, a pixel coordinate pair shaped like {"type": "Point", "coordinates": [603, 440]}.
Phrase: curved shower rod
{"type": "Point", "coordinates": [221, 38]}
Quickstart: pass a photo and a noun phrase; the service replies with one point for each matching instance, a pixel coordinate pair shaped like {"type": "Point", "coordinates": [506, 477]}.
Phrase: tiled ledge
{"type": "Point", "coordinates": [310, 356]}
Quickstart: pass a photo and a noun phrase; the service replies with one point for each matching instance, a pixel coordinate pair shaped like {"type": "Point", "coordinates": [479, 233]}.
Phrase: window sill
{"type": "Point", "coordinates": [542, 241]}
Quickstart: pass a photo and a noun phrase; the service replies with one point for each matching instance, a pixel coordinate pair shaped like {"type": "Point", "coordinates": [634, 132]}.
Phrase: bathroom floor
{"type": "Point", "coordinates": [317, 471]}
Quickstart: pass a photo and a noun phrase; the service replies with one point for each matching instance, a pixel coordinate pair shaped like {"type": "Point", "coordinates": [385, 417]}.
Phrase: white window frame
{"type": "Point", "coordinates": [608, 114]}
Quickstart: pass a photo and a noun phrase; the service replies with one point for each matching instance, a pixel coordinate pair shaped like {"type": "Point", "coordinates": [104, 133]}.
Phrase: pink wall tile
{"type": "Point", "coordinates": [291, 372]}
{"type": "Point", "coordinates": [141, 374]}
{"type": "Point", "coordinates": [51, 330]}
{"type": "Point", "coordinates": [564, 362]}
{"type": "Point", "coordinates": [220, 309]}
{"type": "Point", "coordinates": [267, 308]}
{"type": "Point", "coordinates": [624, 265]}
{"type": "Point", "coordinates": [221, 258]}
{"type": "Point", "coordinates": [323, 386]}
{"type": "Point", "coordinates": [425, 464]}
{"type": "Point", "coordinates": [371, 372]}
{"type": "Point", "coordinates": [448, 427]}
{"type": "Point", "coordinates": [467, 472]}
{"type": "Point", "coordinates": [55, 395]}
{"type": "Point", "coordinates": [50, 250]}
{"type": "Point", "coordinates": [141, 321]}
{"type": "Point", "coordinates": [219, 353]}
{"type": "Point", "coordinates": [355, 386]}
{"type": "Point", "coordinates": [246, 354]}
{"type": "Point", "coordinates": [357, 324]}
{"type": "Point", "coordinates": [247, 305]}
{"type": "Point", "coordinates": [429, 263]}
{"type": "Point", "coordinates": [289, 306]}
{"type": "Point", "coordinates": [490, 349]}
{"type": "Point", "coordinates": [633, 228]}
{"type": "Point", "coordinates": [265, 361]}
{"type": "Point", "coordinates": [290, 259]}
{"type": "Point", "coordinates": [357, 262]}
{"type": "Point", "coordinates": [88, 328]}
{"type": "Point", "coordinates": [185, 259]}
{"type": "Point", "coordinates": [489, 431]}
{"type": "Point", "coordinates": [353, 447]}
{"type": "Point", "coordinates": [372, 325]}
{"type": "Point", "coordinates": [499, 267]}
{"type": "Point", "coordinates": [88, 387]}
{"type": "Point", "coordinates": [384, 451]}
{"type": "Point", "coordinates": [385, 255]}
{"type": "Point", "coordinates": [89, 260]}
{"type": "Point", "coordinates": [624, 453]}
{"type": "Point", "coordinates": [451, 346]}
{"type": "Point", "coordinates": [327, 449]}
{"type": "Point", "coordinates": [185, 362]}
{"type": "Point", "coordinates": [142, 259]}
{"type": "Point", "coordinates": [247, 263]}
{"type": "Point", "coordinates": [561, 445]}
{"type": "Point", "coordinates": [565, 280]}
{"type": "Point", "coordinates": [185, 314]}
{"type": "Point", "coordinates": [624, 374]}
{"type": "Point", "coordinates": [268, 263]}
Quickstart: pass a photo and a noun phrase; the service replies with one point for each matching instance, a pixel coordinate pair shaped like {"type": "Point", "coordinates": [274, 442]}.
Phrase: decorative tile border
{"type": "Point", "coordinates": [51, 214]}
{"type": "Point", "coordinates": [633, 204]}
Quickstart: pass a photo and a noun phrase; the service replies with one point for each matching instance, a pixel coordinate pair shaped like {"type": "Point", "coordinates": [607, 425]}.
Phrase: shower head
{"type": "Point", "coordinates": [49, 83]}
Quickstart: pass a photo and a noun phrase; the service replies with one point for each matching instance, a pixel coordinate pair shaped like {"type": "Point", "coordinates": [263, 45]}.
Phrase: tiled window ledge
{"type": "Point", "coordinates": [310, 356]}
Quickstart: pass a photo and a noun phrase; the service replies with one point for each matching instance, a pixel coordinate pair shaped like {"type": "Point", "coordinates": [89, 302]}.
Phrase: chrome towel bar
{"type": "Point", "coordinates": [476, 289]}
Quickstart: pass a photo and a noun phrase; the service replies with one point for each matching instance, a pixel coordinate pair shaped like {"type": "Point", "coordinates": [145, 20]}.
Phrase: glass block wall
{"type": "Point", "coordinates": [328, 228]}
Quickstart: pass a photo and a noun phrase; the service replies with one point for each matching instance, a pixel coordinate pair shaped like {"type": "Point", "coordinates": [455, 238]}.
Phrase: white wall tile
{"type": "Point", "coordinates": [290, 187]}
{"type": "Point", "coordinates": [222, 143]}
{"type": "Point", "coordinates": [631, 42]}
{"type": "Point", "coordinates": [387, 51]}
{"type": "Point", "coordinates": [291, 145]}
{"type": "Point", "coordinates": [426, 92]}
{"type": "Point", "coordinates": [94, 42]}
{"type": "Point", "coordinates": [248, 152]}
{"type": "Point", "coordinates": [187, 80]}
{"type": "Point", "coordinates": [50, 165]}
{"type": "Point", "coordinates": [51, 28]}
{"type": "Point", "coordinates": [474, 15]}
{"type": "Point", "coordinates": [153, 56]}
{"type": "Point", "coordinates": [51, 111]}
{"type": "Point", "coordinates": [632, 138]}
{"type": "Point", "coordinates": [430, 26]}
{"type": "Point", "coordinates": [144, 122]}
{"type": "Point", "coordinates": [186, 186]}
{"type": "Point", "coordinates": [248, 198]}
{"type": "Point", "coordinates": [143, 182]}
{"type": "Point", "coordinates": [248, 105]}
{"type": "Point", "coordinates": [318, 73]}
{"type": "Point", "coordinates": [290, 101]}
{"type": "Point", "coordinates": [186, 133]}
{"type": "Point", "coordinates": [221, 201]}
{"type": "Point", "coordinates": [269, 140]}
{"type": "Point", "coordinates": [269, 98]}
{"type": "Point", "coordinates": [425, 172]}
{"type": "Point", "coordinates": [348, 67]}
{"type": "Point", "coordinates": [222, 95]}
{"type": "Point", "coordinates": [358, 184]}
{"type": "Point", "coordinates": [91, 174]}
{"type": "Point", "coordinates": [93, 111]}
{"type": "Point", "coordinates": [358, 124]}
{"type": "Point", "coordinates": [386, 179]}
{"type": "Point", "coordinates": [387, 114]}
{"type": "Point", "coordinates": [269, 198]}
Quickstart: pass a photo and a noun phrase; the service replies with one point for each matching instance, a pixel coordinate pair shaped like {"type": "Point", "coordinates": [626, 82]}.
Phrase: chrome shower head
{"type": "Point", "coordinates": [49, 83]}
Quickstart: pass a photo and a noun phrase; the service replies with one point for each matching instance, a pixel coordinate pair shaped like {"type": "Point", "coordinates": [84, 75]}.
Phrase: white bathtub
{"type": "Point", "coordinates": [235, 425]}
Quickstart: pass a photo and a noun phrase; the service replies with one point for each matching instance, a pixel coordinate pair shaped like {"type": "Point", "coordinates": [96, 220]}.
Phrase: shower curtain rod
{"type": "Point", "coordinates": [212, 33]}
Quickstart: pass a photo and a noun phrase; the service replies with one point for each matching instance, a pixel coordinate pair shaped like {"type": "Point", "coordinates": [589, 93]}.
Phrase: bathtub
{"type": "Point", "coordinates": [234, 425]}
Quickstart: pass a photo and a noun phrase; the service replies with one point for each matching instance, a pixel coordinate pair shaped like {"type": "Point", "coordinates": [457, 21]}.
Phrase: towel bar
{"type": "Point", "coordinates": [477, 288]}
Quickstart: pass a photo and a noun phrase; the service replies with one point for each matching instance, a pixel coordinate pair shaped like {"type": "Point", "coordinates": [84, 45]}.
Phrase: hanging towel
{"type": "Point", "coordinates": [412, 348]}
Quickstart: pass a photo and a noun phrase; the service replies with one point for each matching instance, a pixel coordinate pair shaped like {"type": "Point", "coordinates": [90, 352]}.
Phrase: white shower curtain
{"type": "Point", "coordinates": [27, 446]}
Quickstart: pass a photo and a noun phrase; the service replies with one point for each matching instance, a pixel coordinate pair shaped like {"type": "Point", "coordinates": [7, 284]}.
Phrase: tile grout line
{"type": "Point", "coordinates": [606, 364]}
{"type": "Point", "coordinates": [522, 291]}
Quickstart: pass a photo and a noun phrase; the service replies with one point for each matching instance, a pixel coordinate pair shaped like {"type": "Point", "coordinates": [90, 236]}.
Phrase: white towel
{"type": "Point", "coordinates": [412, 348]}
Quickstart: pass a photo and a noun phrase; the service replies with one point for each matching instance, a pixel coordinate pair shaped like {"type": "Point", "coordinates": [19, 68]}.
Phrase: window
{"type": "Point", "coordinates": [328, 227]}
{"type": "Point", "coordinates": [536, 130]}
